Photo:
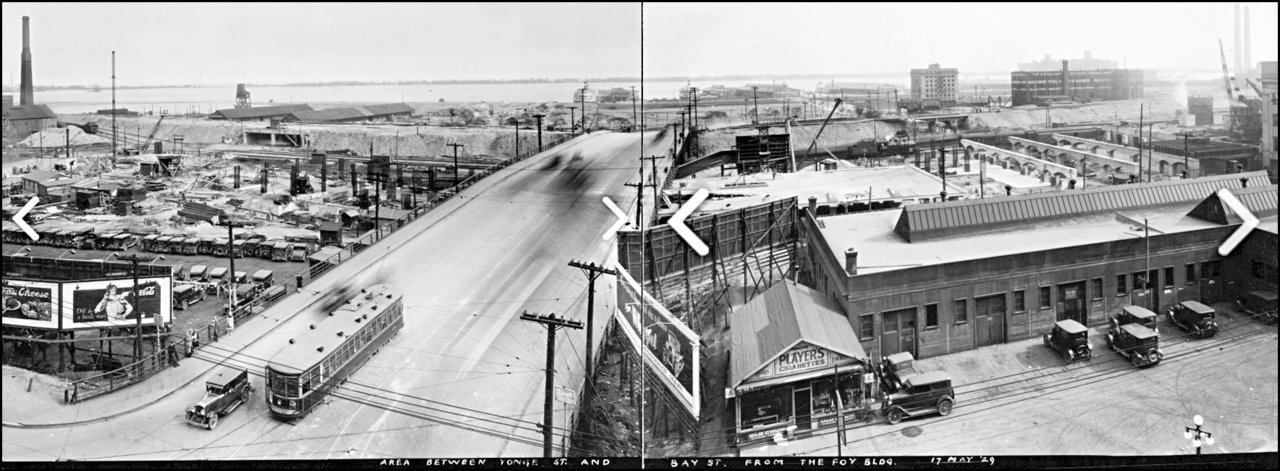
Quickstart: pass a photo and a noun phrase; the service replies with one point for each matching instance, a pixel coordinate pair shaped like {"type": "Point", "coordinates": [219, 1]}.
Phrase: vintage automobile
{"type": "Point", "coordinates": [1194, 318]}
{"type": "Point", "coordinates": [897, 367]}
{"type": "Point", "coordinates": [1138, 344]}
{"type": "Point", "coordinates": [186, 295]}
{"type": "Point", "coordinates": [1260, 305]}
{"type": "Point", "coordinates": [1135, 315]}
{"type": "Point", "coordinates": [198, 273]}
{"type": "Point", "coordinates": [922, 393]}
{"type": "Point", "coordinates": [1070, 339]}
{"type": "Point", "coordinates": [223, 393]}
{"type": "Point", "coordinates": [263, 278]}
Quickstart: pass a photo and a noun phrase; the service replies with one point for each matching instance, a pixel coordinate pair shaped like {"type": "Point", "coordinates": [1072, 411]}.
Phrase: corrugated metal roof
{"type": "Point", "coordinates": [350, 113]}
{"type": "Point", "coordinates": [781, 317]}
{"type": "Point", "coordinates": [936, 220]}
{"type": "Point", "coordinates": [258, 112]}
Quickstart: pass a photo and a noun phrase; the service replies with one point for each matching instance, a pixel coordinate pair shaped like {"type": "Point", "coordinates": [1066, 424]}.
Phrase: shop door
{"type": "Point", "coordinates": [1071, 303]}
{"type": "Point", "coordinates": [804, 410]}
{"type": "Point", "coordinates": [989, 320]}
{"type": "Point", "coordinates": [1211, 281]}
{"type": "Point", "coordinates": [1143, 295]}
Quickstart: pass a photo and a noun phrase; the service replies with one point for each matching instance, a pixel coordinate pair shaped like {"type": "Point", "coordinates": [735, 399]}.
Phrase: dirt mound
{"type": "Point", "coordinates": [57, 137]}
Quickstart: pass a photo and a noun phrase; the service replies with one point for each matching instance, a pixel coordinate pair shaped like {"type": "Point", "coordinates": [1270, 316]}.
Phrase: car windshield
{"type": "Point", "coordinates": [213, 390]}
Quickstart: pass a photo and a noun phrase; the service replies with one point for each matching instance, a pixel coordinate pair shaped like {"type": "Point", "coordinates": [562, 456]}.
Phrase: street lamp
{"type": "Point", "coordinates": [1194, 434]}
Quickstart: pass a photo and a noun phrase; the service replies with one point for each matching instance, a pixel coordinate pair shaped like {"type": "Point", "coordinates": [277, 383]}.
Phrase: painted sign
{"type": "Point", "coordinates": [801, 358]}
{"type": "Point", "coordinates": [668, 346]}
{"type": "Point", "coordinates": [110, 303]}
{"type": "Point", "coordinates": [30, 304]}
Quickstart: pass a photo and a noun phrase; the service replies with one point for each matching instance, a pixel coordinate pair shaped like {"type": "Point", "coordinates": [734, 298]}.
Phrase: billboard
{"type": "Point", "coordinates": [30, 304]}
{"type": "Point", "coordinates": [668, 346]}
{"type": "Point", "coordinates": [111, 303]}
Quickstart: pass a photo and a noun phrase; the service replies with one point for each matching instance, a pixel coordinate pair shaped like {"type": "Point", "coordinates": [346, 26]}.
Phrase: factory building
{"type": "Point", "coordinates": [23, 121]}
{"type": "Point", "coordinates": [352, 114]}
{"type": "Point", "coordinates": [939, 278]}
{"type": "Point", "coordinates": [258, 113]}
{"type": "Point", "coordinates": [1049, 64]}
{"type": "Point", "coordinates": [1069, 84]}
{"type": "Point", "coordinates": [1270, 138]}
{"type": "Point", "coordinates": [934, 83]}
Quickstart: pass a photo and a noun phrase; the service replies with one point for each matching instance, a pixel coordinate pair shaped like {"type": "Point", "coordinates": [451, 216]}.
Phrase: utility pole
{"type": "Point", "coordinates": [653, 161]}
{"type": "Point", "coordinates": [635, 118]}
{"type": "Point", "coordinates": [455, 147]}
{"type": "Point", "coordinates": [755, 119]}
{"type": "Point", "coordinates": [1186, 154]}
{"type": "Point", "coordinates": [573, 120]}
{"type": "Point", "coordinates": [1140, 110]}
{"type": "Point", "coordinates": [137, 308]}
{"type": "Point", "coordinates": [113, 109]}
{"type": "Point", "coordinates": [582, 98]}
{"type": "Point", "coordinates": [942, 171]}
{"type": "Point", "coordinates": [231, 259]}
{"type": "Point", "coordinates": [640, 192]}
{"type": "Point", "coordinates": [1150, 148]}
{"type": "Point", "coordinates": [592, 271]}
{"type": "Point", "coordinates": [551, 322]}
{"type": "Point", "coordinates": [539, 117]}
{"type": "Point", "coordinates": [517, 137]}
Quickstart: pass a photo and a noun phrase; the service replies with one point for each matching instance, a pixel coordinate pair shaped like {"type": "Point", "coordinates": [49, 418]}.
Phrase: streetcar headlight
{"type": "Point", "coordinates": [293, 403]}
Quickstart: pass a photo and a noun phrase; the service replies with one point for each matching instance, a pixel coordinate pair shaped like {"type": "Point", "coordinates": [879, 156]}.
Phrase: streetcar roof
{"type": "Point", "coordinates": [310, 345]}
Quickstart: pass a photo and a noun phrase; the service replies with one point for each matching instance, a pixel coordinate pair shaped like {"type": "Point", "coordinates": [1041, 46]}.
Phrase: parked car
{"type": "Point", "coordinates": [1071, 340]}
{"type": "Point", "coordinates": [1135, 315]}
{"type": "Point", "coordinates": [1138, 344]}
{"type": "Point", "coordinates": [1260, 305]}
{"type": "Point", "coordinates": [186, 295]}
{"type": "Point", "coordinates": [896, 368]}
{"type": "Point", "coordinates": [198, 273]}
{"type": "Point", "coordinates": [223, 394]}
{"type": "Point", "coordinates": [1194, 318]}
{"type": "Point", "coordinates": [922, 393]}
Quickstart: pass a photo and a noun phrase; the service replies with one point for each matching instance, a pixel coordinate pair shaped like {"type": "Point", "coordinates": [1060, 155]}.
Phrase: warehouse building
{"type": "Point", "coordinates": [1030, 88]}
{"type": "Point", "coordinates": [939, 278]}
{"type": "Point", "coordinates": [352, 114]}
{"type": "Point", "coordinates": [258, 113]}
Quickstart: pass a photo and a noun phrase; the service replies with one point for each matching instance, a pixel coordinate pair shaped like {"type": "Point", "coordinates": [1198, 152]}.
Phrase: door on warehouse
{"type": "Point", "coordinates": [898, 332]}
{"type": "Point", "coordinates": [989, 320]}
{"type": "Point", "coordinates": [1071, 303]}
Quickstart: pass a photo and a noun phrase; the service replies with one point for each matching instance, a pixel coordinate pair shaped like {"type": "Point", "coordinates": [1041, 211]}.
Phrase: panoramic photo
{"type": "Point", "coordinates": [688, 235]}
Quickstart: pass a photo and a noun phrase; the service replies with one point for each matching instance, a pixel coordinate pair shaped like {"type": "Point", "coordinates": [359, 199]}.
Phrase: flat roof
{"type": "Point", "coordinates": [849, 184]}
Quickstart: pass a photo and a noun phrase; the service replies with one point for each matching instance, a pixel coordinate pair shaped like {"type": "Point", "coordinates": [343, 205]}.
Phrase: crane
{"type": "Point", "coordinates": [147, 142]}
{"type": "Point", "coordinates": [824, 126]}
{"type": "Point", "coordinates": [1226, 76]}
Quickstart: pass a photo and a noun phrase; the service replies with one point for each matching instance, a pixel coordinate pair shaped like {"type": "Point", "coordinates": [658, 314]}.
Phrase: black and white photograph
{"type": "Point", "coordinates": [626, 235]}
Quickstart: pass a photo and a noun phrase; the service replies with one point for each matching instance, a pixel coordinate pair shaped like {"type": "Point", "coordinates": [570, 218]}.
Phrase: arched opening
{"type": "Point", "coordinates": [1094, 150]}
{"type": "Point", "coordinates": [1164, 167]}
{"type": "Point", "coordinates": [1111, 153]}
{"type": "Point", "coordinates": [1064, 143]}
{"type": "Point", "coordinates": [1178, 168]}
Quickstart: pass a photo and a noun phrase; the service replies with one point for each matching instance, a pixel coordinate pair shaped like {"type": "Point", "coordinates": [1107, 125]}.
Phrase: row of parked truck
{"type": "Point", "coordinates": [87, 238]}
{"type": "Point", "coordinates": [203, 280]}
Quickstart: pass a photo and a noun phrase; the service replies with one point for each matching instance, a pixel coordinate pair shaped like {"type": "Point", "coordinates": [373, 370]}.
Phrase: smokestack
{"type": "Point", "coordinates": [851, 261]}
{"type": "Point", "coordinates": [27, 91]}
{"type": "Point", "coordinates": [1248, 57]}
{"type": "Point", "coordinates": [1236, 52]}
{"type": "Point", "coordinates": [1066, 76]}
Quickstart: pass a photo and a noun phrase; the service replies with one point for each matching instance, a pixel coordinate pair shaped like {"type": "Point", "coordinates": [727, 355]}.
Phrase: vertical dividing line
{"type": "Point", "coordinates": [640, 225]}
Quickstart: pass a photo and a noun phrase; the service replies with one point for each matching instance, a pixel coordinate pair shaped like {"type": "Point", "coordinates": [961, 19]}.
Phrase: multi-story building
{"type": "Point", "coordinates": [934, 83]}
{"type": "Point", "coordinates": [1270, 139]}
{"type": "Point", "coordinates": [1048, 64]}
{"type": "Point", "coordinates": [1067, 83]}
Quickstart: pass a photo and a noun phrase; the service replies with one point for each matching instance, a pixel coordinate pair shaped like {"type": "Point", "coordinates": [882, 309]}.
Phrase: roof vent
{"type": "Point", "coordinates": [374, 307]}
{"type": "Point", "coordinates": [388, 295]}
{"type": "Point", "coordinates": [357, 320]}
{"type": "Point", "coordinates": [366, 316]}
{"type": "Point", "coordinates": [313, 327]}
{"type": "Point", "coordinates": [364, 290]}
{"type": "Point", "coordinates": [339, 333]}
{"type": "Point", "coordinates": [290, 341]}
{"type": "Point", "coordinates": [320, 349]}
{"type": "Point", "coordinates": [330, 313]}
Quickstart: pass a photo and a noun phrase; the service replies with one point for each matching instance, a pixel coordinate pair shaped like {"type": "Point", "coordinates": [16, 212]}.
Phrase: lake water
{"type": "Point", "coordinates": [207, 99]}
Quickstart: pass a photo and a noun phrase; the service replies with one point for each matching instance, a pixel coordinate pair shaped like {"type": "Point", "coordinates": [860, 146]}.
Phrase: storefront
{"type": "Point", "coordinates": [796, 366]}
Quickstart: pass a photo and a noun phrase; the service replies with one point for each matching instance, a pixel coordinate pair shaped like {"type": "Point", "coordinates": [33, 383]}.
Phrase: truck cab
{"type": "Point", "coordinates": [224, 392]}
{"type": "Point", "coordinates": [922, 393]}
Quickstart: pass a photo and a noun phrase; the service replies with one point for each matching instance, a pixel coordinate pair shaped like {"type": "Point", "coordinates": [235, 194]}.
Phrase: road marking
{"type": "Point", "coordinates": [677, 222]}
{"type": "Point", "coordinates": [22, 213]}
{"type": "Point", "coordinates": [622, 219]}
{"type": "Point", "coordinates": [1250, 221]}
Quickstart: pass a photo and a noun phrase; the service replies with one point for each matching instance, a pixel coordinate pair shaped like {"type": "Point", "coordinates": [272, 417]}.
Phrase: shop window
{"type": "Point", "coordinates": [930, 315]}
{"type": "Point", "coordinates": [866, 326]}
{"type": "Point", "coordinates": [766, 407]}
{"type": "Point", "coordinates": [1020, 301]}
{"type": "Point", "coordinates": [1122, 287]}
{"type": "Point", "coordinates": [1211, 269]}
{"type": "Point", "coordinates": [1096, 288]}
{"type": "Point", "coordinates": [1168, 277]}
{"type": "Point", "coordinates": [962, 311]}
{"type": "Point", "coordinates": [1045, 302]}
{"type": "Point", "coordinates": [1191, 273]}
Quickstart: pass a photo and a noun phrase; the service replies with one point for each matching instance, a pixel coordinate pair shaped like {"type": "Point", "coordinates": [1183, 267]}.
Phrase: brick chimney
{"type": "Point", "coordinates": [851, 261]}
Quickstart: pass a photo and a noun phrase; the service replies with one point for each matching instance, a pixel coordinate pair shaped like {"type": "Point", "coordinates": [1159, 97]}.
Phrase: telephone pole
{"type": "Point", "coordinates": [592, 271]}
{"type": "Point", "coordinates": [539, 117]}
{"type": "Point", "coordinates": [640, 192]}
{"type": "Point", "coordinates": [635, 119]}
{"type": "Point", "coordinates": [455, 147]}
{"type": "Point", "coordinates": [551, 322]}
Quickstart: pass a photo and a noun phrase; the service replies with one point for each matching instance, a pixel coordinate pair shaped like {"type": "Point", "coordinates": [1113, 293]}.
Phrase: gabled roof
{"type": "Point", "coordinates": [17, 113]}
{"type": "Point", "coordinates": [1261, 201]}
{"type": "Point", "coordinates": [259, 111]}
{"type": "Point", "coordinates": [349, 113]}
{"type": "Point", "coordinates": [782, 317]}
{"type": "Point", "coordinates": [938, 220]}
{"type": "Point", "coordinates": [50, 179]}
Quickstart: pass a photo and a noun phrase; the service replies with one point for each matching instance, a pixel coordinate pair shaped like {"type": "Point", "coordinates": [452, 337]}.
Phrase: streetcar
{"type": "Point", "coordinates": [319, 358]}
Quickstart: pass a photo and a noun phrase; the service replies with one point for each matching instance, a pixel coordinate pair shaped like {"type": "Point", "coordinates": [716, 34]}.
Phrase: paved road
{"type": "Point", "coordinates": [465, 375]}
{"type": "Point", "coordinates": [1019, 399]}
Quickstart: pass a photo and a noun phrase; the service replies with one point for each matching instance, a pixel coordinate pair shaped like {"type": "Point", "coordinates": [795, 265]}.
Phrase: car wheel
{"type": "Point", "coordinates": [895, 415]}
{"type": "Point", "coordinates": [1111, 342]}
{"type": "Point", "coordinates": [944, 407]}
{"type": "Point", "coordinates": [1069, 356]}
{"type": "Point", "coordinates": [1046, 341]}
{"type": "Point", "coordinates": [213, 421]}
{"type": "Point", "coordinates": [1134, 359]}
{"type": "Point", "coordinates": [186, 304]}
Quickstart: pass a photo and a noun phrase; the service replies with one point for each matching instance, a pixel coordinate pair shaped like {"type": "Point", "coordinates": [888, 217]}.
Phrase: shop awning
{"type": "Point", "coordinates": [782, 318]}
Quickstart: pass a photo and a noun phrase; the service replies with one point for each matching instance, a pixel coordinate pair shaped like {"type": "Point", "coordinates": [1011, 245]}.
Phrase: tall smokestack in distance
{"type": "Point", "coordinates": [1248, 57]}
{"type": "Point", "coordinates": [28, 96]}
{"type": "Point", "coordinates": [1236, 51]}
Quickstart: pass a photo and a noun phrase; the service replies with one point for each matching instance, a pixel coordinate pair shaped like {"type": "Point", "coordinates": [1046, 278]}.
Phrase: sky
{"type": "Point", "coordinates": [217, 44]}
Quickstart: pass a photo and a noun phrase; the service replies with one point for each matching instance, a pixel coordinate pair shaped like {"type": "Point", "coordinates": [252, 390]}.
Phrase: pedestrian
{"type": "Point", "coordinates": [193, 341]}
{"type": "Point", "coordinates": [173, 355]}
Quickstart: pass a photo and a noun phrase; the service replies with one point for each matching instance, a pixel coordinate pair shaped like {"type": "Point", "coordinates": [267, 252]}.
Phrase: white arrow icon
{"type": "Point", "coordinates": [26, 208]}
{"type": "Point", "coordinates": [1250, 221]}
{"type": "Point", "coordinates": [622, 219]}
{"type": "Point", "coordinates": [677, 222]}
